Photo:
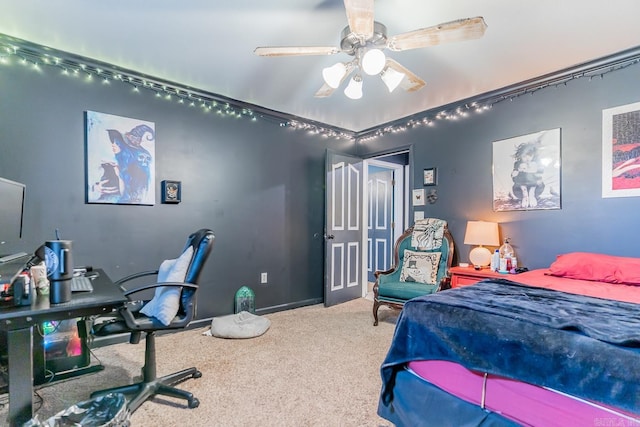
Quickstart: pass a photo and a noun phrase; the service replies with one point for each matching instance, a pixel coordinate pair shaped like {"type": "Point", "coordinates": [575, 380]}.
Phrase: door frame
{"type": "Point", "coordinates": [403, 177]}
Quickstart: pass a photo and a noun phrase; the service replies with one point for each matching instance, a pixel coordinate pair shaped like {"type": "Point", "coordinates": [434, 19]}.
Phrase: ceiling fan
{"type": "Point", "coordinates": [365, 40]}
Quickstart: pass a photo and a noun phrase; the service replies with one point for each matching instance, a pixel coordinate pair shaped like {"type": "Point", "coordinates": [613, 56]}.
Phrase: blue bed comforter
{"type": "Point", "coordinates": [584, 346]}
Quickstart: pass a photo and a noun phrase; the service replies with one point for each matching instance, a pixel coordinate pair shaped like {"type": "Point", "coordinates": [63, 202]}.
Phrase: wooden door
{"type": "Point", "coordinates": [380, 220]}
{"type": "Point", "coordinates": [343, 228]}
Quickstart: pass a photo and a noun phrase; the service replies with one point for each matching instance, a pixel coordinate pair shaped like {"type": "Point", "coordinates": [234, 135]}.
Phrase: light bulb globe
{"type": "Point", "coordinates": [373, 61]}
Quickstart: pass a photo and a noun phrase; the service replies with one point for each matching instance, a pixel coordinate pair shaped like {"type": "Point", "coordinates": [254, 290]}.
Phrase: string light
{"type": "Point", "coordinates": [71, 65]}
{"type": "Point", "coordinates": [483, 103]}
{"type": "Point", "coordinates": [28, 53]}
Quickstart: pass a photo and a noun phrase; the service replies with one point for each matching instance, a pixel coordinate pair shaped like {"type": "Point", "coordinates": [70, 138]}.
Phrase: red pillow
{"type": "Point", "coordinates": [598, 267]}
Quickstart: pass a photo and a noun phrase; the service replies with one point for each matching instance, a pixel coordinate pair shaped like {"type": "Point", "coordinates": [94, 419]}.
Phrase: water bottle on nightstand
{"type": "Point", "coordinates": [508, 259]}
{"type": "Point", "coordinates": [495, 260]}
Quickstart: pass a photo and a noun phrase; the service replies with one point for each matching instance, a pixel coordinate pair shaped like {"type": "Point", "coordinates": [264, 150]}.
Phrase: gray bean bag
{"type": "Point", "coordinates": [240, 325]}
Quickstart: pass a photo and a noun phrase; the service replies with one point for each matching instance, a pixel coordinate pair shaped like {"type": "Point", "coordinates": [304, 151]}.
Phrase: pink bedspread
{"type": "Point", "coordinates": [539, 278]}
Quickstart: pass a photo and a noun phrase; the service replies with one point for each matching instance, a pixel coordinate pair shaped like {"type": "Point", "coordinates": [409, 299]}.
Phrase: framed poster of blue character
{"type": "Point", "coordinates": [526, 172]}
{"type": "Point", "coordinates": [120, 160]}
{"type": "Point", "coordinates": [171, 191]}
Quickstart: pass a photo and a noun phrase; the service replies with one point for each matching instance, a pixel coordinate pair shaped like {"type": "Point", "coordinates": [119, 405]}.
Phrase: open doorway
{"type": "Point", "coordinates": [387, 210]}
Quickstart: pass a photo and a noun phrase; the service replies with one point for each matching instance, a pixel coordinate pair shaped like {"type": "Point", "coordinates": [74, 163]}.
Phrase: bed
{"type": "Point", "coordinates": [550, 347]}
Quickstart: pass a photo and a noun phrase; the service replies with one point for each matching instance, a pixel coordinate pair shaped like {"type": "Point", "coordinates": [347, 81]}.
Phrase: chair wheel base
{"type": "Point", "coordinates": [196, 374]}
{"type": "Point", "coordinates": [194, 403]}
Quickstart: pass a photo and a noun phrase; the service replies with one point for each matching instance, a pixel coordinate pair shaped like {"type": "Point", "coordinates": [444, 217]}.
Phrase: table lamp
{"type": "Point", "coordinates": [481, 233]}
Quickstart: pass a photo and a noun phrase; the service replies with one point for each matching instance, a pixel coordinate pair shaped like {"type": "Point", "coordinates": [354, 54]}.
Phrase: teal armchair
{"type": "Point", "coordinates": [397, 285]}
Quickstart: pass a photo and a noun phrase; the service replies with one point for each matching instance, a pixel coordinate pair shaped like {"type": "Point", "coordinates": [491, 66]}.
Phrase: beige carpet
{"type": "Point", "coordinates": [315, 366]}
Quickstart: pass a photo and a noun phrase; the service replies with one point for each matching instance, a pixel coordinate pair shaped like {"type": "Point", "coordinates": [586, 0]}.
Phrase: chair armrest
{"type": "Point", "coordinates": [157, 285]}
{"type": "Point", "coordinates": [383, 272]}
{"type": "Point", "coordinates": [393, 269]}
{"type": "Point", "coordinates": [391, 275]}
{"type": "Point", "coordinates": [135, 276]}
{"type": "Point", "coordinates": [130, 314]}
{"type": "Point", "coordinates": [445, 282]}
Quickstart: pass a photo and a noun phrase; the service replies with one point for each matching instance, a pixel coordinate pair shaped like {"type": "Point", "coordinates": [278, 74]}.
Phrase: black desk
{"type": "Point", "coordinates": [19, 322]}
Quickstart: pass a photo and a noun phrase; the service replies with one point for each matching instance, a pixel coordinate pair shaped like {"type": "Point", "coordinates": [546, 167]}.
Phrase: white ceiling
{"type": "Point", "coordinates": [208, 44]}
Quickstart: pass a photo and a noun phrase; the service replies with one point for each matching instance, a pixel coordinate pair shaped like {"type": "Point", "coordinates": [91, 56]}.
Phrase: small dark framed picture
{"type": "Point", "coordinates": [430, 176]}
{"type": "Point", "coordinates": [171, 191]}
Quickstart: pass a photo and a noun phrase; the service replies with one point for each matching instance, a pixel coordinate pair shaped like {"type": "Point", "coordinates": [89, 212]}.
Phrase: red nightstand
{"type": "Point", "coordinates": [465, 276]}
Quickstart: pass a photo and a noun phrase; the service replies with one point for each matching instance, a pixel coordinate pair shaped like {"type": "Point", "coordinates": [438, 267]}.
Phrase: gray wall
{"type": "Point", "coordinates": [258, 185]}
{"type": "Point", "coordinates": [462, 152]}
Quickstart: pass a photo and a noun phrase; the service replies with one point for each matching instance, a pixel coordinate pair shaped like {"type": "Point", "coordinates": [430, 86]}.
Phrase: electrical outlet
{"type": "Point", "coordinates": [263, 277]}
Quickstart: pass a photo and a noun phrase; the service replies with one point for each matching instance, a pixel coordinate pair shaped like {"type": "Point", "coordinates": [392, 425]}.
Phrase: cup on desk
{"type": "Point", "coordinates": [59, 262]}
{"type": "Point", "coordinates": [39, 279]}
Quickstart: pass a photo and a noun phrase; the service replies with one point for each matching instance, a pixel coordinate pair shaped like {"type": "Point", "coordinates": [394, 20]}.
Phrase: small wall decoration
{"type": "Point", "coordinates": [418, 197]}
{"type": "Point", "coordinates": [621, 151]}
{"type": "Point", "coordinates": [171, 191]}
{"type": "Point", "coordinates": [430, 176]}
{"type": "Point", "coordinates": [432, 196]}
{"type": "Point", "coordinates": [526, 172]}
{"type": "Point", "coordinates": [120, 160]}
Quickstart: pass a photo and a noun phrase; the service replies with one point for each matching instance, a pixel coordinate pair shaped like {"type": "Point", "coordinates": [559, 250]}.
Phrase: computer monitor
{"type": "Point", "coordinates": [11, 215]}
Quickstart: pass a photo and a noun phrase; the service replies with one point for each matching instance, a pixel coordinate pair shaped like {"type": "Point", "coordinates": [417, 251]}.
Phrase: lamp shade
{"type": "Point", "coordinates": [481, 233]}
{"type": "Point", "coordinates": [354, 88]}
{"type": "Point", "coordinates": [391, 78]}
{"type": "Point", "coordinates": [333, 75]}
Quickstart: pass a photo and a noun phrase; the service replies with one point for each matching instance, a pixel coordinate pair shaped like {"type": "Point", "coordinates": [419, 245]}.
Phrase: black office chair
{"type": "Point", "coordinates": [130, 320]}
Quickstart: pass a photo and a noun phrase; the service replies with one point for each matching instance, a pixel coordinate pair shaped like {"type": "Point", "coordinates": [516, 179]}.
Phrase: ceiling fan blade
{"type": "Point", "coordinates": [454, 31]}
{"type": "Point", "coordinates": [411, 82]}
{"type": "Point", "coordinates": [360, 17]}
{"type": "Point", "coordinates": [295, 50]}
{"type": "Point", "coordinates": [324, 91]}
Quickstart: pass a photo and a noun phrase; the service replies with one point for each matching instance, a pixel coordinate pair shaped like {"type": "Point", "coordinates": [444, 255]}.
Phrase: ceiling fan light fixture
{"type": "Point", "coordinates": [334, 75]}
{"type": "Point", "coordinates": [365, 39]}
{"type": "Point", "coordinates": [373, 61]}
{"type": "Point", "coordinates": [391, 78]}
{"type": "Point", "coordinates": [354, 88]}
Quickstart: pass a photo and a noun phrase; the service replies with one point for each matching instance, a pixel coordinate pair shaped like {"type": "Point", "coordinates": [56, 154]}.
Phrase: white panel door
{"type": "Point", "coordinates": [380, 218]}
